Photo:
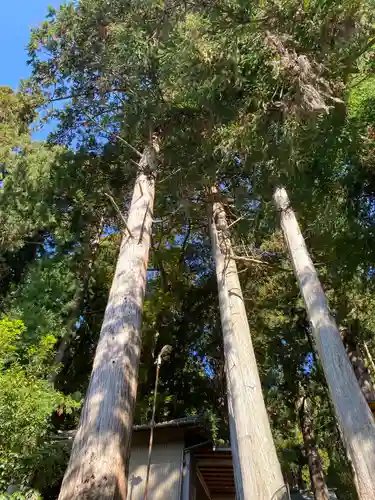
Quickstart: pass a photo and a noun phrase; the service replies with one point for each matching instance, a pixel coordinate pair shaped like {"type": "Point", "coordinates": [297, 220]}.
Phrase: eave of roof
{"type": "Point", "coordinates": [178, 422]}
{"type": "Point", "coordinates": [191, 422]}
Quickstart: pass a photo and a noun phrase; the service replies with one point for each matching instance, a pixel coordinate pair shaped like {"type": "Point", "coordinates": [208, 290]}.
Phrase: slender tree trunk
{"type": "Point", "coordinates": [354, 416]}
{"type": "Point", "coordinates": [369, 357]}
{"type": "Point", "coordinates": [89, 260]}
{"type": "Point", "coordinates": [314, 461]}
{"type": "Point", "coordinates": [359, 367]}
{"type": "Point", "coordinates": [98, 466]}
{"type": "Point", "coordinates": [256, 466]}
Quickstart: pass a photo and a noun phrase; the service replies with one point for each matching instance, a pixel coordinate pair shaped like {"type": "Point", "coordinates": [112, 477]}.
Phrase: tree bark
{"type": "Point", "coordinates": [256, 466]}
{"type": "Point", "coordinates": [354, 416]}
{"type": "Point", "coordinates": [314, 461]}
{"type": "Point", "coordinates": [359, 367]}
{"type": "Point", "coordinates": [98, 466]}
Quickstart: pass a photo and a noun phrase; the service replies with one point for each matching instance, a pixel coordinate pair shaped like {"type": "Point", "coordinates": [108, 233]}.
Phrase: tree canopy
{"type": "Point", "coordinates": [242, 95]}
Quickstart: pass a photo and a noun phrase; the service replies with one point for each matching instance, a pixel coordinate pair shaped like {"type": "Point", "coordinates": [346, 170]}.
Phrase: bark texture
{"type": "Point", "coordinates": [314, 461]}
{"type": "Point", "coordinates": [354, 416]}
{"type": "Point", "coordinates": [359, 367]}
{"type": "Point", "coordinates": [98, 466]}
{"type": "Point", "coordinates": [256, 466]}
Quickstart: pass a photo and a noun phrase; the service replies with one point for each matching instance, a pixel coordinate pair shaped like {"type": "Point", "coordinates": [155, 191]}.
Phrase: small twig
{"type": "Point", "coordinates": [168, 217]}
{"type": "Point", "coordinates": [144, 223]}
{"type": "Point", "coordinates": [119, 213]}
{"type": "Point", "coordinates": [235, 222]}
{"type": "Point", "coordinates": [364, 49]}
{"type": "Point", "coordinates": [258, 261]}
{"type": "Point", "coordinates": [358, 82]}
{"type": "Point", "coordinates": [134, 162]}
{"type": "Point", "coordinates": [170, 175]}
{"type": "Point", "coordinates": [244, 247]}
{"type": "Point", "coordinates": [184, 244]}
{"type": "Point", "coordinates": [243, 270]}
{"type": "Point", "coordinates": [66, 97]}
{"type": "Point", "coordinates": [114, 135]}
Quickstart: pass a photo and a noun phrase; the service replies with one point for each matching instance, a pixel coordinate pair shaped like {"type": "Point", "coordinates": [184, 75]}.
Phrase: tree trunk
{"type": "Point", "coordinates": [314, 461]}
{"type": "Point", "coordinates": [359, 367]}
{"type": "Point", "coordinates": [98, 466]}
{"type": "Point", "coordinates": [369, 357]}
{"type": "Point", "coordinates": [256, 466]}
{"type": "Point", "coordinates": [354, 416]}
{"type": "Point", "coordinates": [87, 266]}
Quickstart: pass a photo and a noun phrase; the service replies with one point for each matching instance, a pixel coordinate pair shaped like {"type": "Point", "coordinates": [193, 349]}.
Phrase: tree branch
{"type": "Point", "coordinates": [252, 260]}
{"type": "Point", "coordinates": [183, 248]}
{"type": "Point", "coordinates": [235, 222]}
{"type": "Point", "coordinates": [119, 213]}
{"type": "Point", "coordinates": [115, 135]}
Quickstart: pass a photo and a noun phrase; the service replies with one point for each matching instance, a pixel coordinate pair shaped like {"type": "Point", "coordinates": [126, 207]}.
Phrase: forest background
{"type": "Point", "coordinates": [228, 110]}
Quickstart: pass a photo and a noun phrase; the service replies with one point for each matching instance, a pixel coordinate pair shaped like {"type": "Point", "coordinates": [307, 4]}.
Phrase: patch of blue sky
{"type": "Point", "coordinates": [204, 361]}
{"type": "Point", "coordinates": [16, 20]}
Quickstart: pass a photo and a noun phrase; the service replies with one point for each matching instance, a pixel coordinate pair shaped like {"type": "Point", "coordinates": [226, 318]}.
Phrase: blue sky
{"type": "Point", "coordinates": [17, 16]}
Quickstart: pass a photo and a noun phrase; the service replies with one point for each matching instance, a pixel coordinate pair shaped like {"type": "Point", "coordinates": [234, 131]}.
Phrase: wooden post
{"type": "Point", "coordinates": [189, 477]}
{"type": "Point", "coordinates": [165, 351]}
{"type": "Point", "coordinates": [151, 440]}
{"type": "Point", "coordinates": [99, 461]}
{"type": "Point", "coordinates": [256, 467]}
{"type": "Point", "coordinates": [354, 416]}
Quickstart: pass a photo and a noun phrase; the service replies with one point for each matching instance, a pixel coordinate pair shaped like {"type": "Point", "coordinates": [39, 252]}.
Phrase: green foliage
{"type": "Point", "coordinates": [17, 112]}
{"type": "Point", "coordinates": [244, 95]}
{"type": "Point", "coordinates": [46, 297]}
{"type": "Point", "coordinates": [26, 402]}
{"type": "Point", "coordinates": [23, 494]}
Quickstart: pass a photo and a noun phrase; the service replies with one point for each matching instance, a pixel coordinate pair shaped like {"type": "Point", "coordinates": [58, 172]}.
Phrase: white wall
{"type": "Point", "coordinates": [166, 466]}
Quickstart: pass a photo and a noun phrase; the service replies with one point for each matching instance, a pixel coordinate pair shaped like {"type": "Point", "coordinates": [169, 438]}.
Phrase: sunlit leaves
{"type": "Point", "coordinates": [27, 400]}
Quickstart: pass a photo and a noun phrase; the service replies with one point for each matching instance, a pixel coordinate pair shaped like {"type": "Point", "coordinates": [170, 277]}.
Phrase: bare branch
{"type": "Point", "coordinates": [144, 221]}
{"type": "Point", "coordinates": [115, 135]}
{"type": "Point", "coordinates": [184, 244]}
{"type": "Point", "coordinates": [235, 222]}
{"type": "Point", "coordinates": [86, 94]}
{"type": "Point", "coordinates": [170, 175]}
{"type": "Point", "coordinates": [252, 260]}
{"type": "Point", "coordinates": [119, 213]}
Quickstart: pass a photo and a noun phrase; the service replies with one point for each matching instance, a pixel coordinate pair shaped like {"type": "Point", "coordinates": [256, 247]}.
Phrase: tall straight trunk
{"type": "Point", "coordinates": [86, 270]}
{"type": "Point", "coordinates": [98, 466]}
{"type": "Point", "coordinates": [314, 461]}
{"type": "Point", "coordinates": [353, 414]}
{"type": "Point", "coordinates": [256, 466]}
{"type": "Point", "coordinates": [359, 367]}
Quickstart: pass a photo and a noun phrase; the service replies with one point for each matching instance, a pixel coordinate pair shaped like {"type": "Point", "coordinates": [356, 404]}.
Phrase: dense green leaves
{"type": "Point", "coordinates": [26, 403]}
{"type": "Point", "coordinates": [245, 95]}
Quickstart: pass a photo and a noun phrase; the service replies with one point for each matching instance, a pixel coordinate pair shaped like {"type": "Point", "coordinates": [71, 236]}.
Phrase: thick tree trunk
{"type": "Point", "coordinates": [256, 466]}
{"type": "Point", "coordinates": [89, 260]}
{"type": "Point", "coordinates": [359, 367]}
{"type": "Point", "coordinates": [354, 416]}
{"type": "Point", "coordinates": [98, 466]}
{"type": "Point", "coordinates": [314, 461]}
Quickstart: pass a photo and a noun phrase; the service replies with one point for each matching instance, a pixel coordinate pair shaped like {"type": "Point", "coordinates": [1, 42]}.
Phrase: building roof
{"type": "Point", "coordinates": [178, 422]}
{"type": "Point", "coordinates": [186, 422]}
